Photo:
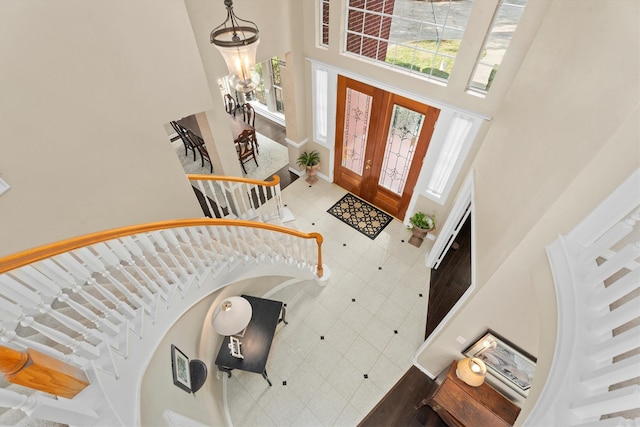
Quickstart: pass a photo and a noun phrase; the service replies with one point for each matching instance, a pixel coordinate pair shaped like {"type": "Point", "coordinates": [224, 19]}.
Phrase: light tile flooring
{"type": "Point", "coordinates": [346, 343]}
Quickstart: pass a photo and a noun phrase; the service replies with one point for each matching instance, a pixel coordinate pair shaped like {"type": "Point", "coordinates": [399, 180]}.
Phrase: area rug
{"type": "Point", "coordinates": [360, 215]}
{"type": "Point", "coordinates": [273, 157]}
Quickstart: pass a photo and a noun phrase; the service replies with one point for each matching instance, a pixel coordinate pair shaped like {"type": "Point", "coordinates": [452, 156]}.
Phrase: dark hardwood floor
{"type": "Point", "coordinates": [451, 279]}
{"type": "Point", "coordinates": [277, 133]}
{"type": "Point", "coordinates": [398, 407]}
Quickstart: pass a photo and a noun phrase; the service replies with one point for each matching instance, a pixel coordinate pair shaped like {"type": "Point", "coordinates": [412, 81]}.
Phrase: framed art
{"type": "Point", "coordinates": [180, 367]}
{"type": "Point", "coordinates": [506, 362]}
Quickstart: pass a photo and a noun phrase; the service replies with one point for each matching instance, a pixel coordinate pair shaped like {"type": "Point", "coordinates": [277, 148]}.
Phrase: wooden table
{"type": "Point", "coordinates": [257, 338]}
{"type": "Point", "coordinates": [236, 124]}
{"type": "Point", "coordinates": [459, 404]}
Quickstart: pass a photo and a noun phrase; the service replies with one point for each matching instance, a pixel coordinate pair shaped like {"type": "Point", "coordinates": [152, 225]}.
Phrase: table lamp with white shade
{"type": "Point", "coordinates": [231, 316]}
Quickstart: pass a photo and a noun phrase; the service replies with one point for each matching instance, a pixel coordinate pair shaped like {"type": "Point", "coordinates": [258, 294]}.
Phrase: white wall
{"type": "Point", "coordinates": [87, 88]}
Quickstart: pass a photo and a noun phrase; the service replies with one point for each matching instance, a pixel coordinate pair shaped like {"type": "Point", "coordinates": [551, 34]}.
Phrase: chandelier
{"type": "Point", "coordinates": [237, 40]}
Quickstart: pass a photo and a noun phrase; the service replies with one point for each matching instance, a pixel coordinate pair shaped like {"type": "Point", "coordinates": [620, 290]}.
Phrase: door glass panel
{"type": "Point", "coordinates": [356, 127]}
{"type": "Point", "coordinates": [401, 143]}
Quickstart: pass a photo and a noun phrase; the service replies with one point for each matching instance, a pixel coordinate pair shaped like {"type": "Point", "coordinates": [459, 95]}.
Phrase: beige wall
{"type": "Point", "coordinates": [195, 337]}
{"type": "Point", "coordinates": [87, 88]}
{"type": "Point", "coordinates": [566, 136]}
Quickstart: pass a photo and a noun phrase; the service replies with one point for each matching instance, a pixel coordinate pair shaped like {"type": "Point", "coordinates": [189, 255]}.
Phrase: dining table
{"type": "Point", "coordinates": [236, 124]}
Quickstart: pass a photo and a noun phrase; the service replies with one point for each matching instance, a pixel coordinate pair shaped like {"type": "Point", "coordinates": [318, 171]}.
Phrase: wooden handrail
{"type": "Point", "coordinates": [39, 371]}
{"type": "Point", "coordinates": [30, 256]}
{"type": "Point", "coordinates": [196, 177]}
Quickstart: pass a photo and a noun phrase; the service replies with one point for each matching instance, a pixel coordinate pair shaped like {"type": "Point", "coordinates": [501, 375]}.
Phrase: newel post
{"type": "Point", "coordinates": [39, 371]}
{"type": "Point", "coordinates": [319, 241]}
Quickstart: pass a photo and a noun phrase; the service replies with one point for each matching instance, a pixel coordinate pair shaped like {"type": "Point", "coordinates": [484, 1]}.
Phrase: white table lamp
{"type": "Point", "coordinates": [232, 316]}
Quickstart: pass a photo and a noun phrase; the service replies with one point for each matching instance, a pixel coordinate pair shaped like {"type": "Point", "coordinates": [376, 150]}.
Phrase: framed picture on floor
{"type": "Point", "coordinates": [180, 368]}
{"type": "Point", "coordinates": [509, 364]}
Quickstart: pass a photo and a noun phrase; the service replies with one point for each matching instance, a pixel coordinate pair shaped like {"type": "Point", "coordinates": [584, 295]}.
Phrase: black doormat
{"type": "Point", "coordinates": [360, 215]}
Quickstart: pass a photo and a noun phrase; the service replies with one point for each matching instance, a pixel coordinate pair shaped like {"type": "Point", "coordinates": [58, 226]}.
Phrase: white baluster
{"type": "Point", "coordinates": [113, 261]}
{"type": "Point", "coordinates": [617, 317]}
{"type": "Point", "coordinates": [615, 346]}
{"type": "Point", "coordinates": [205, 195]}
{"type": "Point", "coordinates": [73, 266]}
{"type": "Point", "coordinates": [612, 374]}
{"type": "Point", "coordinates": [38, 280]}
{"type": "Point", "coordinates": [170, 238]}
{"type": "Point", "coordinates": [148, 247]}
{"type": "Point", "coordinates": [190, 245]}
{"type": "Point", "coordinates": [207, 252]}
{"type": "Point", "coordinates": [96, 265]}
{"type": "Point", "coordinates": [621, 287]}
{"type": "Point", "coordinates": [223, 240]}
{"type": "Point", "coordinates": [82, 348]}
{"type": "Point", "coordinates": [19, 294]}
{"type": "Point", "coordinates": [608, 402]}
{"type": "Point", "coordinates": [601, 246]}
{"type": "Point", "coordinates": [63, 277]}
{"type": "Point", "coordinates": [232, 209]}
{"type": "Point", "coordinates": [223, 204]}
{"type": "Point", "coordinates": [612, 422]}
{"type": "Point", "coordinates": [115, 336]}
{"type": "Point", "coordinates": [64, 411]}
{"type": "Point", "coordinates": [613, 264]}
{"type": "Point", "coordinates": [10, 337]}
{"type": "Point", "coordinates": [126, 247]}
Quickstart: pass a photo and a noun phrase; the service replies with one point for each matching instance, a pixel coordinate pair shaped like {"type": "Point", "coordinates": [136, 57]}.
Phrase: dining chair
{"type": "Point", "coordinates": [181, 131]}
{"type": "Point", "coordinates": [249, 117]}
{"type": "Point", "coordinates": [198, 143]}
{"type": "Point", "coordinates": [230, 104]}
{"type": "Point", "coordinates": [248, 114]}
{"type": "Point", "coordinates": [245, 147]}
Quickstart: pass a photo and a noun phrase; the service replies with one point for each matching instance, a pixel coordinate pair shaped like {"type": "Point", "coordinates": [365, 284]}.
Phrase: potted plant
{"type": "Point", "coordinates": [420, 225]}
{"type": "Point", "coordinates": [311, 161]}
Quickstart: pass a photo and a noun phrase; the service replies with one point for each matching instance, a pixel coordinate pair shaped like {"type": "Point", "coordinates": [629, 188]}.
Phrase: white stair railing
{"type": "Point", "coordinates": [77, 300]}
{"type": "Point", "coordinates": [595, 373]}
{"type": "Point", "coordinates": [242, 198]}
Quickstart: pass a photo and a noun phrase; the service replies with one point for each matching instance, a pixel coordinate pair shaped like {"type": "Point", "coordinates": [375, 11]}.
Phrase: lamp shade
{"type": "Point", "coordinates": [232, 316]}
{"type": "Point", "coordinates": [237, 41]}
{"type": "Point", "coordinates": [471, 371]}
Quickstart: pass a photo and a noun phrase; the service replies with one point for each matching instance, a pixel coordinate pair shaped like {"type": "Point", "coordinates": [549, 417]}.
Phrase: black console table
{"type": "Point", "coordinates": [257, 338]}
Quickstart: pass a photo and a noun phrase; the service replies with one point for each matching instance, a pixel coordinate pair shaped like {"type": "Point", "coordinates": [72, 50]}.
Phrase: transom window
{"type": "Point", "coordinates": [422, 37]}
{"type": "Point", "coordinates": [496, 43]}
{"type": "Point", "coordinates": [324, 22]}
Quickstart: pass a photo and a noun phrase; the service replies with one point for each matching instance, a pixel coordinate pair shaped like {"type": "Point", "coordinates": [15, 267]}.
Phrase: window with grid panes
{"type": "Point", "coordinates": [503, 26]}
{"type": "Point", "coordinates": [276, 81]}
{"type": "Point", "coordinates": [422, 37]}
{"type": "Point", "coordinates": [324, 22]}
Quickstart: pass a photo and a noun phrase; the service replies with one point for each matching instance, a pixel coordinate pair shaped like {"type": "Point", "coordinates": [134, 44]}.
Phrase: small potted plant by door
{"type": "Point", "coordinates": [420, 225]}
{"type": "Point", "coordinates": [311, 161]}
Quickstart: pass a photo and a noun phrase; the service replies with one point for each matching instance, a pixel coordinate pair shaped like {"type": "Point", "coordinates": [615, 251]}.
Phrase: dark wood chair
{"type": "Point", "coordinates": [199, 145]}
{"type": "Point", "coordinates": [249, 117]}
{"type": "Point", "coordinates": [249, 114]}
{"type": "Point", "coordinates": [230, 104]}
{"type": "Point", "coordinates": [182, 133]}
{"type": "Point", "coordinates": [245, 146]}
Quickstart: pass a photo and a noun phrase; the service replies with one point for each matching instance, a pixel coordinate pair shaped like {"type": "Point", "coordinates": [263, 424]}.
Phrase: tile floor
{"type": "Point", "coordinates": [347, 343]}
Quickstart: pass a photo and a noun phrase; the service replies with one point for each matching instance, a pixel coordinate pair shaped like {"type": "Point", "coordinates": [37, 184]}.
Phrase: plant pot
{"type": "Point", "coordinates": [418, 235]}
{"type": "Point", "coordinates": [311, 173]}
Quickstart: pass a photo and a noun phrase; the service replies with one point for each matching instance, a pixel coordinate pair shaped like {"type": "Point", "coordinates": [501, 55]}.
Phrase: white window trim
{"type": "Point", "coordinates": [437, 140]}
{"type": "Point", "coordinates": [320, 97]}
{"type": "Point", "coordinates": [436, 150]}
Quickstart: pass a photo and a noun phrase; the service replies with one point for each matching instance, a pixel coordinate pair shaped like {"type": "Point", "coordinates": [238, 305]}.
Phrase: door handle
{"type": "Point", "coordinates": [368, 165]}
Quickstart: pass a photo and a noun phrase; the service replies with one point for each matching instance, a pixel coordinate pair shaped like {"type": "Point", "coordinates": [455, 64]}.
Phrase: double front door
{"type": "Point", "coordinates": [381, 140]}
